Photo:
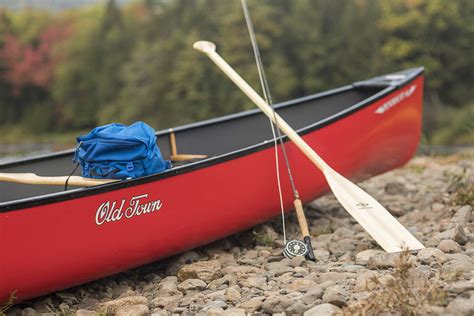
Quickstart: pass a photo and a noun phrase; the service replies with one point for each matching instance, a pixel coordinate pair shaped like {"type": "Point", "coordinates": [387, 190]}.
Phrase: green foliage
{"type": "Point", "coordinates": [135, 62]}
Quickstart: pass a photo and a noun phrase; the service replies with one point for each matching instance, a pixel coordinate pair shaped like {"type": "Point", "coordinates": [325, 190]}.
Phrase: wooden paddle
{"type": "Point", "coordinates": [31, 178]}
{"type": "Point", "coordinates": [370, 214]}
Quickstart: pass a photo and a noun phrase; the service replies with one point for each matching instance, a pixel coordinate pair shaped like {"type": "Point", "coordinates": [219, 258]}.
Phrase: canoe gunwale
{"type": "Point", "coordinates": [23, 204]}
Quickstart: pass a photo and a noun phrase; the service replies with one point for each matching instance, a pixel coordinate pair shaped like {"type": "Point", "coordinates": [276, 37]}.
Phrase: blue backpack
{"type": "Point", "coordinates": [117, 151]}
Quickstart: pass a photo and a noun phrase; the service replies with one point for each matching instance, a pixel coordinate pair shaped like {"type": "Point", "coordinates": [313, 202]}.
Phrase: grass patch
{"type": "Point", "coordinates": [403, 292]}
{"type": "Point", "coordinates": [461, 188]}
{"type": "Point", "coordinates": [9, 303]}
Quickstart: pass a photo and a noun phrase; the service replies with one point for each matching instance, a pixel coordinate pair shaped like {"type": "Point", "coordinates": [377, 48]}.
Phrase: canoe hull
{"type": "Point", "coordinates": [59, 245]}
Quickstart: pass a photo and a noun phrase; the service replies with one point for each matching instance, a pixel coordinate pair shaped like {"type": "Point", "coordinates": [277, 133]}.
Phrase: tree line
{"type": "Point", "coordinates": [72, 70]}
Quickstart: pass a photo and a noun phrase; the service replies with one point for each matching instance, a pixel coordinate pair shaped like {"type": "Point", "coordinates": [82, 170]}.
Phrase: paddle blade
{"type": "Point", "coordinates": [371, 215]}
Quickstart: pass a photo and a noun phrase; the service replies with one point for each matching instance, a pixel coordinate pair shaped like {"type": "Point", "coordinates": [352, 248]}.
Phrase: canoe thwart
{"type": "Point", "coordinates": [181, 157]}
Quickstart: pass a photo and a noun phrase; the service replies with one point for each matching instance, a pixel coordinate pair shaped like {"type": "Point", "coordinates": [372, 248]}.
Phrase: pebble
{"type": "Point", "coordinates": [336, 295]}
{"type": "Point", "coordinates": [461, 306]}
{"type": "Point", "coordinates": [276, 304]}
{"type": "Point", "coordinates": [192, 285]}
{"type": "Point", "coordinates": [301, 285]}
{"type": "Point", "coordinates": [81, 312]}
{"type": "Point", "coordinates": [323, 310]}
{"type": "Point", "coordinates": [203, 270]}
{"type": "Point", "coordinates": [364, 256]}
{"type": "Point", "coordinates": [113, 306]}
{"type": "Point", "coordinates": [321, 255]}
{"type": "Point", "coordinates": [457, 234]}
{"type": "Point", "coordinates": [312, 294]}
{"type": "Point", "coordinates": [463, 215]}
{"type": "Point", "coordinates": [461, 266]}
{"type": "Point", "coordinates": [461, 287]}
{"type": "Point", "coordinates": [382, 260]}
{"type": "Point", "coordinates": [395, 187]}
{"type": "Point", "coordinates": [235, 312]}
{"type": "Point", "coordinates": [251, 305]}
{"type": "Point", "coordinates": [449, 246]}
{"type": "Point", "coordinates": [430, 255]}
{"type": "Point", "coordinates": [133, 310]}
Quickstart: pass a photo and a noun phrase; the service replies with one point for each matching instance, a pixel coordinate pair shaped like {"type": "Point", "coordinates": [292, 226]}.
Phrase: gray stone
{"type": "Point", "coordinates": [86, 303]}
{"type": "Point", "coordinates": [457, 234]}
{"type": "Point", "coordinates": [437, 207]}
{"type": "Point", "coordinates": [301, 285]}
{"type": "Point", "coordinates": [113, 306]}
{"type": "Point", "coordinates": [276, 304]}
{"type": "Point", "coordinates": [203, 270]}
{"type": "Point", "coordinates": [192, 285]}
{"type": "Point", "coordinates": [234, 312]}
{"type": "Point", "coordinates": [353, 268]}
{"type": "Point", "coordinates": [430, 255]}
{"type": "Point", "coordinates": [167, 302]}
{"type": "Point", "coordinates": [460, 306]}
{"type": "Point", "coordinates": [341, 247]}
{"type": "Point", "coordinates": [215, 311]}
{"type": "Point", "coordinates": [312, 294]}
{"type": "Point", "coordinates": [336, 295]}
{"type": "Point", "coordinates": [364, 256]}
{"type": "Point", "coordinates": [323, 310]}
{"type": "Point", "coordinates": [279, 267]}
{"type": "Point", "coordinates": [325, 285]}
{"type": "Point", "coordinates": [394, 188]}
{"type": "Point", "coordinates": [233, 294]}
{"type": "Point", "coordinates": [463, 215]}
{"type": "Point", "coordinates": [133, 310]}
{"type": "Point", "coordinates": [344, 232]}
{"type": "Point", "coordinates": [461, 287]}
{"type": "Point", "coordinates": [297, 308]}
{"type": "Point", "coordinates": [334, 276]}
{"type": "Point", "coordinates": [396, 210]}
{"type": "Point", "coordinates": [321, 255]}
{"type": "Point", "coordinates": [251, 305]}
{"type": "Point", "coordinates": [449, 246]}
{"type": "Point", "coordinates": [462, 266]}
{"type": "Point", "coordinates": [121, 289]}
{"type": "Point", "coordinates": [255, 281]}
{"type": "Point", "coordinates": [365, 281]}
{"type": "Point", "coordinates": [215, 304]}
{"type": "Point", "coordinates": [383, 260]}
{"type": "Point", "coordinates": [168, 286]}
{"type": "Point", "coordinates": [459, 256]}
{"type": "Point", "coordinates": [81, 312]}
{"type": "Point", "coordinates": [296, 261]}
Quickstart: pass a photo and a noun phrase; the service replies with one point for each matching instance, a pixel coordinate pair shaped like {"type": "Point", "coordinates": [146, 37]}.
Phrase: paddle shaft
{"type": "Point", "coordinates": [31, 178]}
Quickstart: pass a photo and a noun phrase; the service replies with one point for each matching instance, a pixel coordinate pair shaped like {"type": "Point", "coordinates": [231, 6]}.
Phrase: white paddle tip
{"type": "Point", "coordinates": [204, 46]}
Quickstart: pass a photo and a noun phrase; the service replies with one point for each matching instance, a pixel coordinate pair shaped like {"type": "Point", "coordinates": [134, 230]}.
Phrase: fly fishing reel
{"type": "Point", "coordinates": [295, 248]}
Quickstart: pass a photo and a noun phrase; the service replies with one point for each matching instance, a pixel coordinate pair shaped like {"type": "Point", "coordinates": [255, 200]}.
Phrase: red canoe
{"type": "Point", "coordinates": [52, 239]}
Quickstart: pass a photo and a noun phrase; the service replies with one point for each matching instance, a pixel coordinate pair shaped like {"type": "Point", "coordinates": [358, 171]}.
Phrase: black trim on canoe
{"type": "Point", "coordinates": [380, 82]}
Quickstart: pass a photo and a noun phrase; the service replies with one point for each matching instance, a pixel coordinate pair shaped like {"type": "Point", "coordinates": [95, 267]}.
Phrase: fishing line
{"type": "Point", "coordinates": [268, 99]}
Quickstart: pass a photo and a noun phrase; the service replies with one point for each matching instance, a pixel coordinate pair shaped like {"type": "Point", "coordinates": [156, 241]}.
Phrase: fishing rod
{"type": "Point", "coordinates": [293, 247]}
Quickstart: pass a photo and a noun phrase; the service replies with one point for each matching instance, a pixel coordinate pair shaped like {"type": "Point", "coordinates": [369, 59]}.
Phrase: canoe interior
{"type": "Point", "coordinates": [212, 138]}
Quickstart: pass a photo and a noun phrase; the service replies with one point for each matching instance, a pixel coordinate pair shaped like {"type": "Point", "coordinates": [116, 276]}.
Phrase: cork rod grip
{"type": "Point", "coordinates": [301, 217]}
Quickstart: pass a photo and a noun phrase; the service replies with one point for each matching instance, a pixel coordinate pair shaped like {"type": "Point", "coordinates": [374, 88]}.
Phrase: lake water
{"type": "Point", "coordinates": [11, 152]}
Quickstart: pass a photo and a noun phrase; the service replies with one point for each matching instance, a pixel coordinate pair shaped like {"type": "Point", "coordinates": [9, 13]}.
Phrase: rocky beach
{"type": "Point", "coordinates": [247, 273]}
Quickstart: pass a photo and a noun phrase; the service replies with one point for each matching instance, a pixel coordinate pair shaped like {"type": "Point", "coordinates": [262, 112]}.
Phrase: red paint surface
{"type": "Point", "coordinates": [51, 247]}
